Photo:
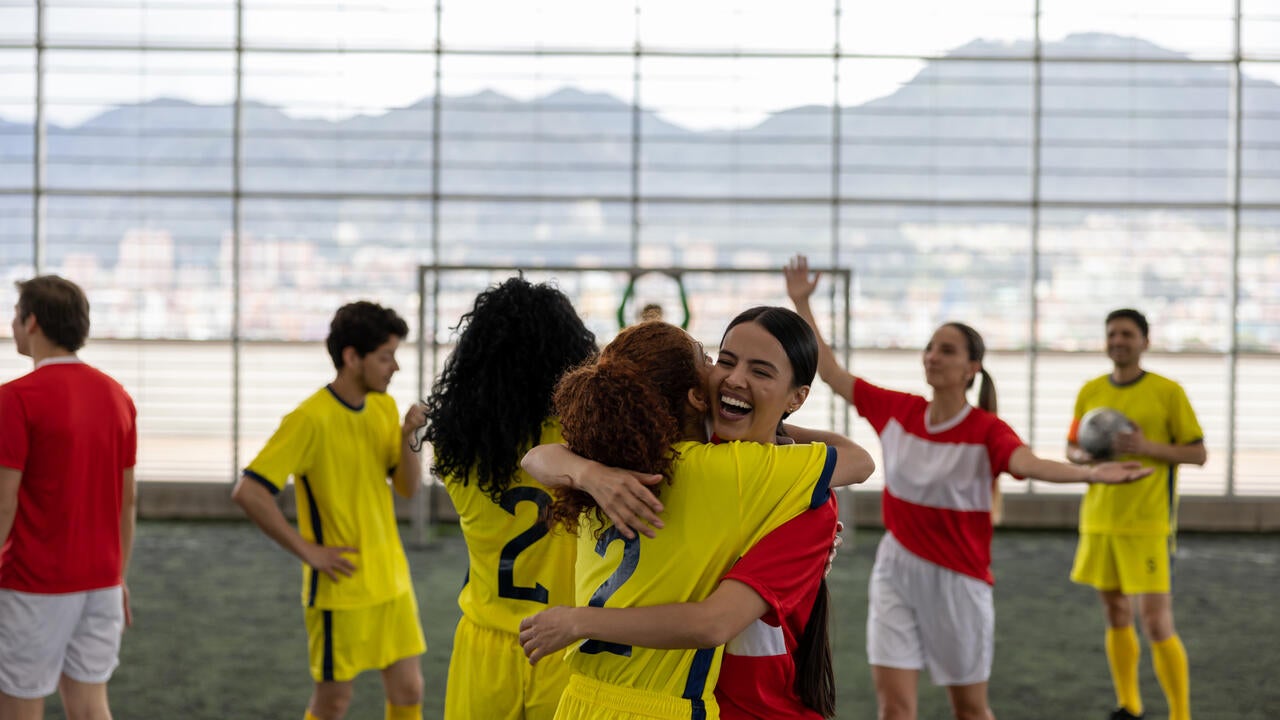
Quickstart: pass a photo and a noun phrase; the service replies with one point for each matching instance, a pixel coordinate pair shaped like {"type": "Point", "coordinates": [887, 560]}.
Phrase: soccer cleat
{"type": "Point", "coordinates": [1123, 714]}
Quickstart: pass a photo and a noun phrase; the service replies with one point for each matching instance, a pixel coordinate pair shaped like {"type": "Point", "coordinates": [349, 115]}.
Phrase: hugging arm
{"type": "Point", "coordinates": [705, 624]}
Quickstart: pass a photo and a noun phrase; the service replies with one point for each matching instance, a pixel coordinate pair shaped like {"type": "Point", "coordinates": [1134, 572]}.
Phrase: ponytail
{"type": "Point", "coordinates": [815, 676]}
{"type": "Point", "coordinates": [987, 401]}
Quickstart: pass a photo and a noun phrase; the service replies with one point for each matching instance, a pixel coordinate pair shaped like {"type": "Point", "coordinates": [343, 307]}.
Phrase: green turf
{"type": "Point", "coordinates": [218, 629]}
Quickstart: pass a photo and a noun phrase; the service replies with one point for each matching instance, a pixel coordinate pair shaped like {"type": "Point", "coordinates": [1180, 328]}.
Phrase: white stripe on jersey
{"type": "Point", "coordinates": [760, 639]}
{"type": "Point", "coordinates": [913, 466]}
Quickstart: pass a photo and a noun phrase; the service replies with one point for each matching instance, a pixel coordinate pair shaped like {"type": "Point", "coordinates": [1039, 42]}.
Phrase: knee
{"type": "Point", "coordinates": [973, 712]}
{"type": "Point", "coordinates": [895, 708]}
{"type": "Point", "coordinates": [332, 703]}
{"type": "Point", "coordinates": [406, 689]}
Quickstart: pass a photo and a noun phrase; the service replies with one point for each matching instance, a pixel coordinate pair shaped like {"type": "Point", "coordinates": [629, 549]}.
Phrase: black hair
{"type": "Point", "coordinates": [494, 393]}
{"type": "Point", "coordinates": [792, 332]}
{"type": "Point", "coordinates": [362, 325]}
{"type": "Point", "coordinates": [815, 682]}
{"type": "Point", "coordinates": [1130, 314]}
{"type": "Point", "coordinates": [977, 350]}
{"type": "Point", "coordinates": [60, 307]}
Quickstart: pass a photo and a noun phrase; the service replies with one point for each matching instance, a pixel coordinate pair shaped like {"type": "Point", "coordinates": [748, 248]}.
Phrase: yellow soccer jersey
{"type": "Point", "coordinates": [516, 567]}
{"type": "Point", "coordinates": [723, 499]}
{"type": "Point", "coordinates": [1160, 408]}
{"type": "Point", "coordinates": [340, 458]}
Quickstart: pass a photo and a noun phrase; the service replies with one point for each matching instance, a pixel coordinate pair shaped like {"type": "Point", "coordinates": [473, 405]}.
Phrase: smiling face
{"type": "Point", "coordinates": [374, 370]}
{"type": "Point", "coordinates": [946, 360]}
{"type": "Point", "coordinates": [750, 386]}
{"type": "Point", "coordinates": [1125, 342]}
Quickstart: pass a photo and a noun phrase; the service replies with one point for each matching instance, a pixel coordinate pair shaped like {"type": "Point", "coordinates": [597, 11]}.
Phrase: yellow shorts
{"type": "Point", "coordinates": [1132, 564]}
{"type": "Point", "coordinates": [490, 678]}
{"type": "Point", "coordinates": [345, 643]}
{"type": "Point", "coordinates": [587, 699]}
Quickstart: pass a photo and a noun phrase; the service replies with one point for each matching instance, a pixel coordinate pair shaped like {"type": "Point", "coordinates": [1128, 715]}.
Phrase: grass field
{"type": "Point", "coordinates": [218, 629]}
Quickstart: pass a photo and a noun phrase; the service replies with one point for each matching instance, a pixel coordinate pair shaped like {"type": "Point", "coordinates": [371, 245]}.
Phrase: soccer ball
{"type": "Point", "coordinates": [1098, 430]}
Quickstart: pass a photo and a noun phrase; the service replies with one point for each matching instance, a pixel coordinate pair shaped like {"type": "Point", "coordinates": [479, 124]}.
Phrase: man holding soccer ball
{"type": "Point", "coordinates": [1126, 531]}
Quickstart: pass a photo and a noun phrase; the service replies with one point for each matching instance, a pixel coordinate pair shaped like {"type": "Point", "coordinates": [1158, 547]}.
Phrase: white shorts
{"type": "Point", "coordinates": [923, 615]}
{"type": "Point", "coordinates": [45, 636]}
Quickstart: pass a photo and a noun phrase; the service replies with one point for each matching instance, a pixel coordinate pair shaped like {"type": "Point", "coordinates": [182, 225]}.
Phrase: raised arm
{"type": "Point", "coordinates": [1025, 463]}
{"type": "Point", "coordinates": [853, 463]}
{"type": "Point", "coordinates": [706, 624]}
{"type": "Point", "coordinates": [408, 475]}
{"type": "Point", "coordinates": [800, 286]}
{"type": "Point", "coordinates": [623, 495]}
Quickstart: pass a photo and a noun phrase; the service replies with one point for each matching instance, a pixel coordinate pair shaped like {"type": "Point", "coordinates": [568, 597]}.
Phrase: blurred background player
{"type": "Point", "coordinates": [340, 445]}
{"type": "Point", "coordinates": [930, 594]}
{"type": "Point", "coordinates": [1126, 533]}
{"type": "Point", "coordinates": [68, 444]}
{"type": "Point", "coordinates": [491, 403]}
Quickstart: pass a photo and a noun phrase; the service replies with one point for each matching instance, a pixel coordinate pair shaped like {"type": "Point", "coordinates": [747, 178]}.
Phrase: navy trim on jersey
{"type": "Point", "coordinates": [345, 404]}
{"type": "Point", "coordinates": [261, 480]}
{"type": "Point", "coordinates": [319, 535]}
{"type": "Point", "coordinates": [823, 486]}
{"type": "Point", "coordinates": [326, 660]}
{"type": "Point", "coordinates": [1131, 383]}
{"type": "Point", "coordinates": [697, 682]}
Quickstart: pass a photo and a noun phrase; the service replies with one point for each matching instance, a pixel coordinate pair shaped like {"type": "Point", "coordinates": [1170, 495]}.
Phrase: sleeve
{"type": "Point", "coordinates": [878, 405]}
{"type": "Point", "coordinates": [393, 435]}
{"type": "Point", "coordinates": [1073, 432]}
{"type": "Point", "coordinates": [778, 482]}
{"type": "Point", "coordinates": [788, 560]}
{"type": "Point", "coordinates": [288, 452]}
{"type": "Point", "coordinates": [130, 456]}
{"type": "Point", "coordinates": [1002, 441]}
{"type": "Point", "coordinates": [1184, 428]}
{"type": "Point", "coordinates": [13, 430]}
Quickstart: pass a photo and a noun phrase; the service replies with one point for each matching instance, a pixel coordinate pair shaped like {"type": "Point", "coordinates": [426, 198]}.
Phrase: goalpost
{"type": "Point", "coordinates": [701, 299]}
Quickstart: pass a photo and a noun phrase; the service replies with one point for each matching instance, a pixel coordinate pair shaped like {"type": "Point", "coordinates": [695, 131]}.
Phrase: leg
{"type": "Point", "coordinates": [16, 708]}
{"type": "Point", "coordinates": [1168, 655]}
{"type": "Point", "coordinates": [895, 692]}
{"type": "Point", "coordinates": [84, 701]}
{"type": "Point", "coordinates": [969, 702]}
{"type": "Point", "coordinates": [331, 699]}
{"type": "Point", "coordinates": [402, 681]}
{"type": "Point", "coordinates": [1123, 649]}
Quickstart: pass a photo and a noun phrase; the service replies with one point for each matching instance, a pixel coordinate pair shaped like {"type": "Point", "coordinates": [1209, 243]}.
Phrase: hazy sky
{"type": "Point", "coordinates": [700, 93]}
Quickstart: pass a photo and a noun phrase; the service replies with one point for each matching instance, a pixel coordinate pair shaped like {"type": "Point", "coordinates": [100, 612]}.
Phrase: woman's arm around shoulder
{"type": "Point", "coordinates": [853, 463]}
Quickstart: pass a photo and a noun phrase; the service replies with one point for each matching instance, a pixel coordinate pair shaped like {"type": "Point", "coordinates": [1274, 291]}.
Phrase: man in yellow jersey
{"type": "Point", "coordinates": [340, 445]}
{"type": "Point", "coordinates": [1126, 531]}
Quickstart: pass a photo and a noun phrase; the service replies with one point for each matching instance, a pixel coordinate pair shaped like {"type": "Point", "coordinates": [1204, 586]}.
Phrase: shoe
{"type": "Point", "coordinates": [1123, 714]}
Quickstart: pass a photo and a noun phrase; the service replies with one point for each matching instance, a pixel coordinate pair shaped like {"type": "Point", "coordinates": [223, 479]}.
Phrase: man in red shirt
{"type": "Point", "coordinates": [68, 444]}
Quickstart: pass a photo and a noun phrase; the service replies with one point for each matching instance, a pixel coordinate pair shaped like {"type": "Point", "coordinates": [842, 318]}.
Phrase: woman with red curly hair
{"type": "Point", "coordinates": [642, 407]}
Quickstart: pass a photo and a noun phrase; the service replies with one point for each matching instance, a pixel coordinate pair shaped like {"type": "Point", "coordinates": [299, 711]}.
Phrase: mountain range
{"type": "Point", "coordinates": [961, 129]}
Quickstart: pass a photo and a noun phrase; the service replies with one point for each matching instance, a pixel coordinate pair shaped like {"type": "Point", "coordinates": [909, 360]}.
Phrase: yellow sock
{"type": "Point", "coordinates": [1123, 652]}
{"type": "Point", "coordinates": [1170, 660]}
{"type": "Point", "coordinates": [404, 712]}
{"type": "Point", "coordinates": [309, 715]}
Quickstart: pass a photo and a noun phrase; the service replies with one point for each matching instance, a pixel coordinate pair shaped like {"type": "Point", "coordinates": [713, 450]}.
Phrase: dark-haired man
{"type": "Point", "coordinates": [340, 446]}
{"type": "Point", "coordinates": [68, 444]}
{"type": "Point", "coordinates": [1126, 531]}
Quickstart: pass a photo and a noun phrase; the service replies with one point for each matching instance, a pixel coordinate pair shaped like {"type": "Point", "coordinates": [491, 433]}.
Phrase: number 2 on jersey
{"type": "Point", "coordinates": [507, 586]}
{"type": "Point", "coordinates": [630, 559]}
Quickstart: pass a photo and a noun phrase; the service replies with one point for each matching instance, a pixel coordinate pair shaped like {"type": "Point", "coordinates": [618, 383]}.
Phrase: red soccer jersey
{"type": "Point", "coordinates": [71, 430]}
{"type": "Point", "coordinates": [938, 479]}
{"type": "Point", "coordinates": [758, 674]}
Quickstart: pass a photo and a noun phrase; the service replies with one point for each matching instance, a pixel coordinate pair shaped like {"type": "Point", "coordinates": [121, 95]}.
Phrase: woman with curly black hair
{"type": "Point", "coordinates": [491, 403]}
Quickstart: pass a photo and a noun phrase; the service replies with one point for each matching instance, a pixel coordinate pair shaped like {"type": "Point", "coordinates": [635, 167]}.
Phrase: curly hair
{"type": "Point", "coordinates": [627, 409]}
{"type": "Point", "coordinates": [494, 393]}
